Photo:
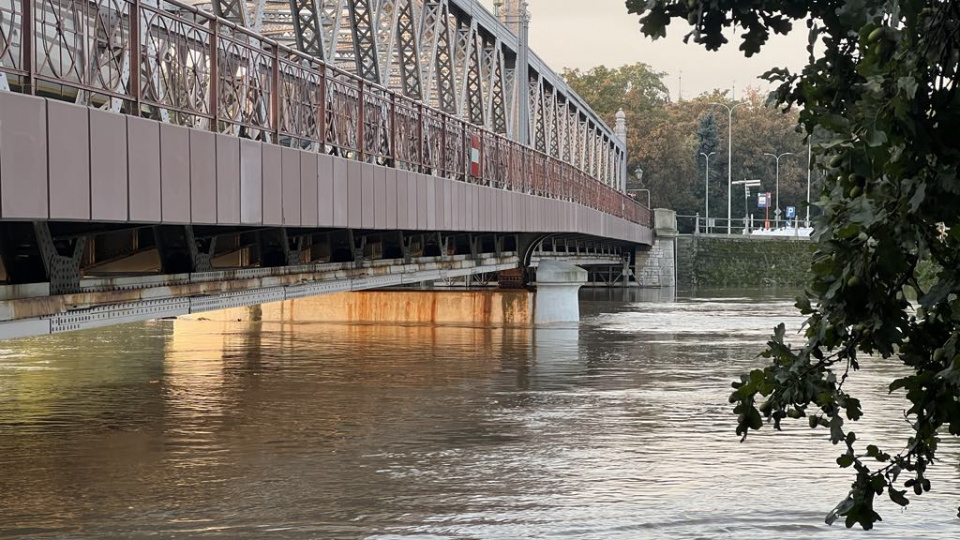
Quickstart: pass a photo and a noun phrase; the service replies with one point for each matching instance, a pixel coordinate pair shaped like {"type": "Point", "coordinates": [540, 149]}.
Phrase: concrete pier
{"type": "Point", "coordinates": [557, 299]}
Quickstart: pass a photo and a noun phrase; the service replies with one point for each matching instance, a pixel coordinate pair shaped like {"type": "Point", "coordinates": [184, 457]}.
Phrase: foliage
{"type": "Point", "coordinates": [881, 85]}
{"type": "Point", "coordinates": [664, 137]}
{"type": "Point", "coordinates": [708, 141]}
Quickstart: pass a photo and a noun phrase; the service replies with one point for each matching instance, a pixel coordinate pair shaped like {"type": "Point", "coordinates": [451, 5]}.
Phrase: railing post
{"type": "Point", "coordinates": [360, 120]}
{"type": "Point", "coordinates": [443, 145]}
{"type": "Point", "coordinates": [393, 129]}
{"type": "Point", "coordinates": [135, 40]}
{"type": "Point", "coordinates": [28, 30]}
{"type": "Point", "coordinates": [275, 98]}
{"type": "Point", "coordinates": [420, 124]}
{"type": "Point", "coordinates": [322, 109]}
{"type": "Point", "coordinates": [214, 74]}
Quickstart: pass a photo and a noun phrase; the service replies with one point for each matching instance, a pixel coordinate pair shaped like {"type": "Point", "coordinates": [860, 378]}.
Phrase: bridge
{"type": "Point", "coordinates": [159, 158]}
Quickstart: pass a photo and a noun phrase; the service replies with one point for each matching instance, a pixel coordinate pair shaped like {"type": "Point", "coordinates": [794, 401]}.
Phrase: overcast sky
{"type": "Point", "coordinates": [587, 33]}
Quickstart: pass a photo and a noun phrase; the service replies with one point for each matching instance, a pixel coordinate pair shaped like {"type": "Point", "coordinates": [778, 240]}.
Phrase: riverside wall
{"type": "Point", "coordinates": [737, 261]}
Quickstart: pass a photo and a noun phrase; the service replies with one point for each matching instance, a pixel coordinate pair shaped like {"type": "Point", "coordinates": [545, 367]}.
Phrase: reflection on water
{"type": "Point", "coordinates": [617, 429]}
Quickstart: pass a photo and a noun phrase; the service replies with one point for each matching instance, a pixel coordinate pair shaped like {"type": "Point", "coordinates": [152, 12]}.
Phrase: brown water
{"type": "Point", "coordinates": [617, 429]}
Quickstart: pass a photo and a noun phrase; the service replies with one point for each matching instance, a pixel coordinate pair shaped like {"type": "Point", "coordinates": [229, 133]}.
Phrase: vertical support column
{"type": "Point", "coordinates": [60, 259]}
{"type": "Point", "coordinates": [557, 298]}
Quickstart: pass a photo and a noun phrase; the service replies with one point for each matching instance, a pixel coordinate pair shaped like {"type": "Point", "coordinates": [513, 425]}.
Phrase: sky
{"type": "Point", "coordinates": [587, 33]}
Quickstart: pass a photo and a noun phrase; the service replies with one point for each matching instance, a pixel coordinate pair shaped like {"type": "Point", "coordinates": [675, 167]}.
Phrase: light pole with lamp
{"type": "Point", "coordinates": [809, 169]}
{"type": "Point", "coordinates": [706, 191]}
{"type": "Point", "coordinates": [729, 157]}
{"type": "Point", "coordinates": [776, 213]}
{"type": "Point", "coordinates": [639, 174]}
{"type": "Point", "coordinates": [747, 184]}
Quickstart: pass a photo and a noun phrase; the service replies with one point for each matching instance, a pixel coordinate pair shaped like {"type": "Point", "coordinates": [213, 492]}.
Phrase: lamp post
{"type": "Point", "coordinates": [639, 174]}
{"type": "Point", "coordinates": [706, 191]}
{"type": "Point", "coordinates": [729, 157]}
{"type": "Point", "coordinates": [809, 168]}
{"type": "Point", "coordinates": [776, 213]}
{"type": "Point", "coordinates": [747, 184]}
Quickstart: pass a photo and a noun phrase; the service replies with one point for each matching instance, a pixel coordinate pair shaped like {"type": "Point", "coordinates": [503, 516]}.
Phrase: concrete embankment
{"type": "Point", "coordinates": [728, 261]}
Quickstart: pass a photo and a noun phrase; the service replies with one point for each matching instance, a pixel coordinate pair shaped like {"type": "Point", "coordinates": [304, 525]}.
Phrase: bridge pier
{"type": "Point", "coordinates": [558, 285]}
{"type": "Point", "coordinates": [657, 266]}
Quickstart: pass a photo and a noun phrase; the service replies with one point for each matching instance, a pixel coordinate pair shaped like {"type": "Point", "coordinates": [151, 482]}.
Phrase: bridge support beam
{"type": "Point", "coordinates": [558, 284]}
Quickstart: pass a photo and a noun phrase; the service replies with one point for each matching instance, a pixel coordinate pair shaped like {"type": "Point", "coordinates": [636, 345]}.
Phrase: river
{"type": "Point", "coordinates": [619, 428]}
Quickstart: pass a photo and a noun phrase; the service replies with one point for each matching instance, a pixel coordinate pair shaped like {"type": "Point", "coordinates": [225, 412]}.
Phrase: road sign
{"type": "Point", "coordinates": [791, 212]}
{"type": "Point", "coordinates": [763, 200]}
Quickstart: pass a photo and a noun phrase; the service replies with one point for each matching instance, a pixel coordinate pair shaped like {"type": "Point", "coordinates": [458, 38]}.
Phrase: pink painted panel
{"type": "Point", "coordinates": [454, 206]}
{"type": "Point", "coordinates": [440, 201]}
{"type": "Point", "coordinates": [23, 156]}
{"type": "Point", "coordinates": [367, 201]}
{"type": "Point", "coordinates": [412, 217]}
{"type": "Point", "coordinates": [380, 197]}
{"type": "Point", "coordinates": [475, 206]}
{"type": "Point", "coordinates": [431, 198]}
{"type": "Point", "coordinates": [69, 140]}
{"type": "Point", "coordinates": [174, 174]}
{"type": "Point", "coordinates": [470, 209]}
{"type": "Point", "coordinates": [228, 179]}
{"type": "Point", "coordinates": [487, 202]}
{"type": "Point", "coordinates": [325, 190]}
{"type": "Point", "coordinates": [422, 216]}
{"type": "Point", "coordinates": [143, 152]}
{"type": "Point", "coordinates": [290, 173]}
{"type": "Point", "coordinates": [503, 213]}
{"type": "Point", "coordinates": [272, 186]}
{"type": "Point", "coordinates": [309, 169]}
{"type": "Point", "coordinates": [341, 192]}
{"type": "Point", "coordinates": [355, 195]}
{"type": "Point", "coordinates": [203, 176]}
{"type": "Point", "coordinates": [251, 182]}
{"type": "Point", "coordinates": [463, 206]}
{"type": "Point", "coordinates": [391, 199]}
{"type": "Point", "coordinates": [108, 166]}
{"type": "Point", "coordinates": [403, 200]}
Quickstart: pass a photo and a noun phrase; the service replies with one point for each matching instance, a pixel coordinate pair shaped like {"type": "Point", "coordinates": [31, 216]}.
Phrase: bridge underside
{"type": "Point", "coordinates": [63, 276]}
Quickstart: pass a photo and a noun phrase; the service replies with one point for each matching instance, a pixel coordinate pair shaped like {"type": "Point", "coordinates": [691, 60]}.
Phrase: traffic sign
{"type": "Point", "coordinates": [763, 200]}
{"type": "Point", "coordinates": [791, 212]}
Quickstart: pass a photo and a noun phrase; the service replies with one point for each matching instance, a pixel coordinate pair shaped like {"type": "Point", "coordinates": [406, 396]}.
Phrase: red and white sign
{"type": "Point", "coordinates": [475, 155]}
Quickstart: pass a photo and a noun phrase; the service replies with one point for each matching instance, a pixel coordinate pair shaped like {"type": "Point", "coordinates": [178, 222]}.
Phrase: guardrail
{"type": "Point", "coordinates": [193, 69]}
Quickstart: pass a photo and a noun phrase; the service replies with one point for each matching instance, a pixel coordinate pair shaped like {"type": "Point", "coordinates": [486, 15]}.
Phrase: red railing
{"type": "Point", "coordinates": [193, 69]}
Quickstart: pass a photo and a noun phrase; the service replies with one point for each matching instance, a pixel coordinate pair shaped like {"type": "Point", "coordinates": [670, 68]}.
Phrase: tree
{"type": "Point", "coordinates": [636, 88]}
{"type": "Point", "coordinates": [881, 88]}
{"type": "Point", "coordinates": [708, 140]}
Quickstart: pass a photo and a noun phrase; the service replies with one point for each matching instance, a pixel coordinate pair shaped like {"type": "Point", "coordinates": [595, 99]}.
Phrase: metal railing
{"type": "Point", "coordinates": [697, 224]}
{"type": "Point", "coordinates": [175, 63]}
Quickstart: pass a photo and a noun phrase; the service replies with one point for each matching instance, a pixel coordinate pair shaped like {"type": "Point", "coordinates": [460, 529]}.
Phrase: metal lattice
{"type": "Point", "coordinates": [474, 90]}
{"type": "Point", "coordinates": [364, 40]}
{"type": "Point", "coordinates": [306, 25]}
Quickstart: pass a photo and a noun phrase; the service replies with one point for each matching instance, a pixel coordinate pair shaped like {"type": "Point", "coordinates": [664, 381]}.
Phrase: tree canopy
{"type": "Point", "coordinates": [881, 90]}
{"type": "Point", "coordinates": [663, 139]}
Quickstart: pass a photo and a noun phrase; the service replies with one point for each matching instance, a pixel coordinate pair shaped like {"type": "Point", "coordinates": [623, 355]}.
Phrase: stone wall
{"type": "Point", "coordinates": [656, 267]}
{"type": "Point", "coordinates": [736, 261]}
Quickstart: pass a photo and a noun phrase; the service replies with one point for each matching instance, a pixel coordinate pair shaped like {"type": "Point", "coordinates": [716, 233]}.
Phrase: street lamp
{"type": "Point", "coordinates": [729, 156]}
{"type": "Point", "coordinates": [809, 168]}
{"type": "Point", "coordinates": [776, 213]}
{"type": "Point", "coordinates": [747, 184]}
{"type": "Point", "coordinates": [639, 174]}
{"type": "Point", "coordinates": [706, 190]}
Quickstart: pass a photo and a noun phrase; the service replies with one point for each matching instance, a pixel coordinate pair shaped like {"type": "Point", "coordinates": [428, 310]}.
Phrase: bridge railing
{"type": "Point", "coordinates": [173, 62]}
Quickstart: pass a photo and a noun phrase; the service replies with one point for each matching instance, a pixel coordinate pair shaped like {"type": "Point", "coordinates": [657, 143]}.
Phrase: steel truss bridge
{"type": "Point", "coordinates": [159, 158]}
